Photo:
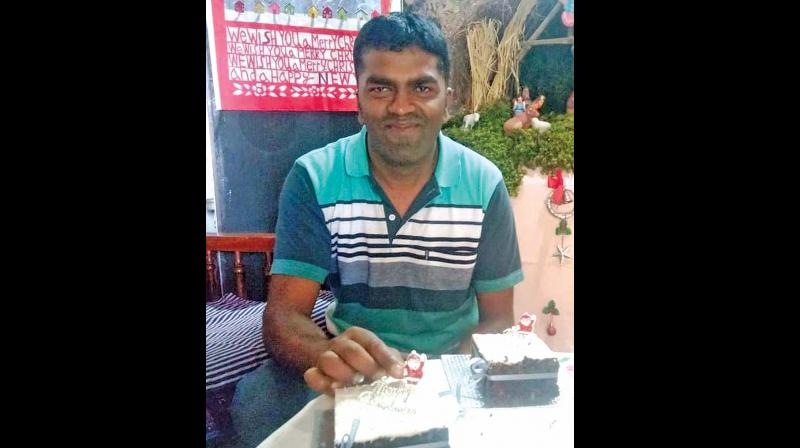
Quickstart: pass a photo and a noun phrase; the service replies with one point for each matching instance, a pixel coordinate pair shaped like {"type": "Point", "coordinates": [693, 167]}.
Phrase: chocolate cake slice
{"type": "Point", "coordinates": [520, 369]}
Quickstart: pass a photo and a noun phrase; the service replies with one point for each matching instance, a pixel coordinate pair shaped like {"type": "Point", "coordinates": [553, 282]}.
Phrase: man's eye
{"type": "Point", "coordinates": [424, 89]}
{"type": "Point", "coordinates": [379, 89]}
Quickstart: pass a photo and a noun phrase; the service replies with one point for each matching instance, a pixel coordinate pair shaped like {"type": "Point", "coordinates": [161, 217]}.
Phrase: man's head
{"type": "Point", "coordinates": [398, 31]}
{"type": "Point", "coordinates": [402, 67]}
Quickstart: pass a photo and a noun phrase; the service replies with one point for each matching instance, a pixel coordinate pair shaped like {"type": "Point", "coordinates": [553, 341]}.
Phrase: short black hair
{"type": "Point", "coordinates": [398, 31]}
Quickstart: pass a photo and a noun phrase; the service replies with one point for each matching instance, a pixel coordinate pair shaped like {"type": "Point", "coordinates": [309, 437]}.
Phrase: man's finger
{"type": "Point", "coordinates": [356, 356]}
{"type": "Point", "coordinates": [318, 381]}
{"type": "Point", "coordinates": [388, 358]}
{"type": "Point", "coordinates": [334, 366]}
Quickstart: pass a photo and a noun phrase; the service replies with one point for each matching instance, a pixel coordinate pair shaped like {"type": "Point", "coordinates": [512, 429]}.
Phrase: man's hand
{"type": "Point", "coordinates": [355, 351]}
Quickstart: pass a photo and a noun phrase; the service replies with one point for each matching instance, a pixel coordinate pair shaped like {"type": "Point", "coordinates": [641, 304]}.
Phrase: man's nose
{"type": "Point", "coordinates": [401, 103]}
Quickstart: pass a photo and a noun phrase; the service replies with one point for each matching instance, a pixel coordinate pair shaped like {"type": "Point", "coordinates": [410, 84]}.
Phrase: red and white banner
{"type": "Point", "coordinates": [292, 56]}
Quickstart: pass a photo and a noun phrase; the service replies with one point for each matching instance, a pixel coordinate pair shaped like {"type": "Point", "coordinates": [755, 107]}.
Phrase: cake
{"type": "Point", "coordinates": [520, 369]}
{"type": "Point", "coordinates": [390, 413]}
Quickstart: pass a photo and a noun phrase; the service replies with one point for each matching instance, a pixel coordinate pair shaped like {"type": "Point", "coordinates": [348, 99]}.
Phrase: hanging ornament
{"type": "Point", "coordinates": [362, 17]}
{"type": "Point", "coordinates": [288, 9]}
{"type": "Point", "coordinates": [312, 12]}
{"type": "Point", "coordinates": [562, 253]}
{"type": "Point", "coordinates": [238, 6]}
{"type": "Point", "coordinates": [568, 15]}
{"type": "Point", "coordinates": [563, 229]}
{"type": "Point", "coordinates": [561, 202]}
{"type": "Point", "coordinates": [551, 311]}
{"type": "Point", "coordinates": [274, 8]}
{"type": "Point", "coordinates": [557, 184]}
{"type": "Point", "coordinates": [327, 13]}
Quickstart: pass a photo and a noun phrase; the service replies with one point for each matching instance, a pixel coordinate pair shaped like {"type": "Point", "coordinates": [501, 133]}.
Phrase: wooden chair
{"type": "Point", "coordinates": [233, 324]}
{"type": "Point", "coordinates": [238, 243]}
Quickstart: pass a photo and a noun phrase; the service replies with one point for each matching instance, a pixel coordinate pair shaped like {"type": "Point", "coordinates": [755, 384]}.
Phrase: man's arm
{"type": "Point", "coordinates": [302, 258]}
{"type": "Point", "coordinates": [296, 341]}
{"type": "Point", "coordinates": [496, 314]}
{"type": "Point", "coordinates": [288, 331]}
{"type": "Point", "coordinates": [497, 269]}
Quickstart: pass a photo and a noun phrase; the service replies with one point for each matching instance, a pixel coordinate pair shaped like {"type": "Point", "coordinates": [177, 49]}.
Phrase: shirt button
{"type": "Point", "coordinates": [392, 217]}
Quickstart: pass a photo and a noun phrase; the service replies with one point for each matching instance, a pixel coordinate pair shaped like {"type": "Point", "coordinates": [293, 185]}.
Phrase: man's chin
{"type": "Point", "coordinates": [402, 156]}
{"type": "Point", "coordinates": [404, 136]}
{"type": "Point", "coordinates": [403, 142]}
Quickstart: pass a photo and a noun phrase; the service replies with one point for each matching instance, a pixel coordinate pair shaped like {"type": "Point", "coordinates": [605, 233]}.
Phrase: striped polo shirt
{"type": "Point", "coordinates": [414, 279]}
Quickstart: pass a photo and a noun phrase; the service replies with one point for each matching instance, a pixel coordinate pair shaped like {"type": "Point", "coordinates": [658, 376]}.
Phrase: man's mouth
{"type": "Point", "coordinates": [401, 125]}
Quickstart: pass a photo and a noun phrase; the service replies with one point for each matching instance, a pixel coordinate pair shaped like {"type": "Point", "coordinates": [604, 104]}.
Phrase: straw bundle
{"type": "Point", "coordinates": [508, 53]}
{"type": "Point", "coordinates": [481, 44]}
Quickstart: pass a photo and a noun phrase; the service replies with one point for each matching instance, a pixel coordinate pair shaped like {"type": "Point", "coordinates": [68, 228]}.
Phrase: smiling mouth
{"type": "Point", "coordinates": [401, 125]}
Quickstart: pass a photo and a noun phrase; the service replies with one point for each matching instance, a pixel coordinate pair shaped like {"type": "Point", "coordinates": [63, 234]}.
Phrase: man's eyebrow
{"type": "Point", "coordinates": [379, 80]}
{"type": "Point", "coordinates": [427, 79]}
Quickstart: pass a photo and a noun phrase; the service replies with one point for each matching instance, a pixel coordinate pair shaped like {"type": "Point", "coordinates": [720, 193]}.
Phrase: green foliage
{"type": "Point", "coordinates": [555, 148]}
{"type": "Point", "coordinates": [551, 308]}
{"type": "Point", "coordinates": [524, 148]}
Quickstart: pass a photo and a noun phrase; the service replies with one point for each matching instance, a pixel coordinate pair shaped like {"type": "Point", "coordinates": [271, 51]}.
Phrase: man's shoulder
{"type": "Point", "coordinates": [323, 165]}
{"type": "Point", "coordinates": [325, 158]}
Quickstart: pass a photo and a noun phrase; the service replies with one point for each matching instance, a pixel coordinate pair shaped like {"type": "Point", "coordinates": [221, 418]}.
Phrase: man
{"type": "Point", "coordinates": [413, 232]}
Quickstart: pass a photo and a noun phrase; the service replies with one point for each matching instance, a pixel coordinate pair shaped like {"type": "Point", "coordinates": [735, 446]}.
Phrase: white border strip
{"type": "Point", "coordinates": [212, 48]}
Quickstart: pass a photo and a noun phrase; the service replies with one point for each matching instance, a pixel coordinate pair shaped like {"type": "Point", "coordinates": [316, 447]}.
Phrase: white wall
{"type": "Point", "coordinates": [545, 278]}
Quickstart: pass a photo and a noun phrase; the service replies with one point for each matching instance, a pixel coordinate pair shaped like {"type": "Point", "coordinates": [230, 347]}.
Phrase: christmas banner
{"type": "Point", "coordinates": [294, 55]}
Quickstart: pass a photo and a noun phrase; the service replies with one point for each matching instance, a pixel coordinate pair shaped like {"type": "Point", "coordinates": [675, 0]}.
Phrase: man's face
{"type": "Point", "coordinates": [414, 363]}
{"type": "Point", "coordinates": [402, 99]}
{"type": "Point", "coordinates": [525, 320]}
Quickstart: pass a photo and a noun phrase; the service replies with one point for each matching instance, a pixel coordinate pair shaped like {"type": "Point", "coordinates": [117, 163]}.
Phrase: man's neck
{"type": "Point", "coordinates": [406, 177]}
{"type": "Point", "coordinates": [402, 184]}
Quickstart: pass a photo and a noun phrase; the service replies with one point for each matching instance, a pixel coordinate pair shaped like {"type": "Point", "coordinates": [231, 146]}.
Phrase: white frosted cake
{"type": "Point", "coordinates": [511, 348]}
{"type": "Point", "coordinates": [520, 369]}
{"type": "Point", "coordinates": [390, 413]}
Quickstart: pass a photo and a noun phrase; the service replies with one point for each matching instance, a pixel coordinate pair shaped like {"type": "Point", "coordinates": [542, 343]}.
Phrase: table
{"type": "Point", "coordinates": [540, 426]}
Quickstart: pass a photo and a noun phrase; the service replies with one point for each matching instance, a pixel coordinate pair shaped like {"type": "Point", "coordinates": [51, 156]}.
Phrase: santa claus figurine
{"type": "Point", "coordinates": [414, 364]}
{"type": "Point", "coordinates": [526, 323]}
